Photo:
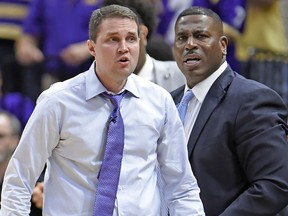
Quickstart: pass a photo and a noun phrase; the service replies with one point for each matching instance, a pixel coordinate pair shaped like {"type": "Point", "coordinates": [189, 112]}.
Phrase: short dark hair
{"type": "Point", "coordinates": [111, 11]}
{"type": "Point", "coordinates": [145, 9]}
{"type": "Point", "coordinates": [196, 10]}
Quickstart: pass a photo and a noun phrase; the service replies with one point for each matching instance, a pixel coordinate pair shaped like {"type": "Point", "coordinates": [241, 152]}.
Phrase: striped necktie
{"type": "Point", "coordinates": [182, 106]}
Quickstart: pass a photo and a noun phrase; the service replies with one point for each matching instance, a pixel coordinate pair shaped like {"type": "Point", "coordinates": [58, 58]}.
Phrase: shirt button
{"type": "Point", "coordinates": [167, 75]}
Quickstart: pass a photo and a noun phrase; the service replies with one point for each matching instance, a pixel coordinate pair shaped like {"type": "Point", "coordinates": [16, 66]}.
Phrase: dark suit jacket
{"type": "Point", "coordinates": [238, 149]}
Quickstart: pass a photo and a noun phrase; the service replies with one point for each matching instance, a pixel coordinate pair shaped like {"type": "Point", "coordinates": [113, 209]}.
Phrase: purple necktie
{"type": "Point", "coordinates": [111, 164]}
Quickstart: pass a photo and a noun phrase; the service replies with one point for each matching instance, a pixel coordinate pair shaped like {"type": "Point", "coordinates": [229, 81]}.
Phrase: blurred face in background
{"type": "Point", "coordinates": [142, 44]}
{"type": "Point", "coordinates": [8, 140]}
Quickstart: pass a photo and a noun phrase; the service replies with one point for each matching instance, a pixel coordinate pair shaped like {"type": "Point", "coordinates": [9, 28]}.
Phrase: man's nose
{"type": "Point", "coordinates": [123, 48]}
{"type": "Point", "coordinates": [190, 43]}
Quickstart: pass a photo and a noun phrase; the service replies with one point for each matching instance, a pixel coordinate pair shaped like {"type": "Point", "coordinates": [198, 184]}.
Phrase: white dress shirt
{"type": "Point", "coordinates": [200, 91]}
{"type": "Point", "coordinates": [67, 130]}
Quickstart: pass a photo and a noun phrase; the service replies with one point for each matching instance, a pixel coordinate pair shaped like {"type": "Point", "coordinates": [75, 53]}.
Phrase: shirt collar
{"type": "Point", "coordinates": [201, 89]}
{"type": "Point", "coordinates": [94, 87]}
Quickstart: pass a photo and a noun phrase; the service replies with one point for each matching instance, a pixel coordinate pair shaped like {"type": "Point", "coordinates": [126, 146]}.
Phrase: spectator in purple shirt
{"type": "Point", "coordinates": [55, 35]}
{"type": "Point", "coordinates": [12, 13]}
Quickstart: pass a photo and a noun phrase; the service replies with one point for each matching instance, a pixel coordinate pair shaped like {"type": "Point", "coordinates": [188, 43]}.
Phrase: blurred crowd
{"type": "Point", "coordinates": [44, 41]}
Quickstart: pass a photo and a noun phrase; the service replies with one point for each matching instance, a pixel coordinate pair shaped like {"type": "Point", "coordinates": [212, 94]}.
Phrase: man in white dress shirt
{"type": "Point", "coordinates": [68, 129]}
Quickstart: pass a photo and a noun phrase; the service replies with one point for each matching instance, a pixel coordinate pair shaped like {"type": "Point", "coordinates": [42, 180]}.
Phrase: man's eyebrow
{"type": "Point", "coordinates": [181, 32]}
{"type": "Point", "coordinates": [117, 33]}
{"type": "Point", "coordinates": [112, 33]}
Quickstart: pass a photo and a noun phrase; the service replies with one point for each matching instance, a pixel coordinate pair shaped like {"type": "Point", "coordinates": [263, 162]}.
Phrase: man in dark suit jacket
{"type": "Point", "coordinates": [236, 128]}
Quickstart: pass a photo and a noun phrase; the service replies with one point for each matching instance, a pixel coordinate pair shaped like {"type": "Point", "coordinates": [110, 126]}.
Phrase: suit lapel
{"type": "Point", "coordinates": [214, 96]}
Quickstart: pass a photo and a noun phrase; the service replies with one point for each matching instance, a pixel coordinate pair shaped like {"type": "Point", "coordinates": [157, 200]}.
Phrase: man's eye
{"type": "Point", "coordinates": [112, 39]}
{"type": "Point", "coordinates": [181, 38]}
{"type": "Point", "coordinates": [131, 39]}
{"type": "Point", "coordinates": [201, 36]}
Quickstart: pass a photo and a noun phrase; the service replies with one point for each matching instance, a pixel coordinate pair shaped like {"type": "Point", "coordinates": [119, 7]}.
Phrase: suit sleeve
{"type": "Point", "coordinates": [261, 147]}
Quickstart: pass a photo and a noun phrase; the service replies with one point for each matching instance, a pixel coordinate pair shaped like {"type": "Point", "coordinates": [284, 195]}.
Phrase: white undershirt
{"type": "Point", "coordinates": [200, 91]}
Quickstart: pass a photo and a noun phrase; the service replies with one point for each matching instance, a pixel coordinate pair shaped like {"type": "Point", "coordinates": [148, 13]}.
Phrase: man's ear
{"type": "Point", "coordinates": [224, 43]}
{"type": "Point", "coordinates": [143, 33]}
{"type": "Point", "coordinates": [144, 30]}
{"type": "Point", "coordinates": [91, 47]}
